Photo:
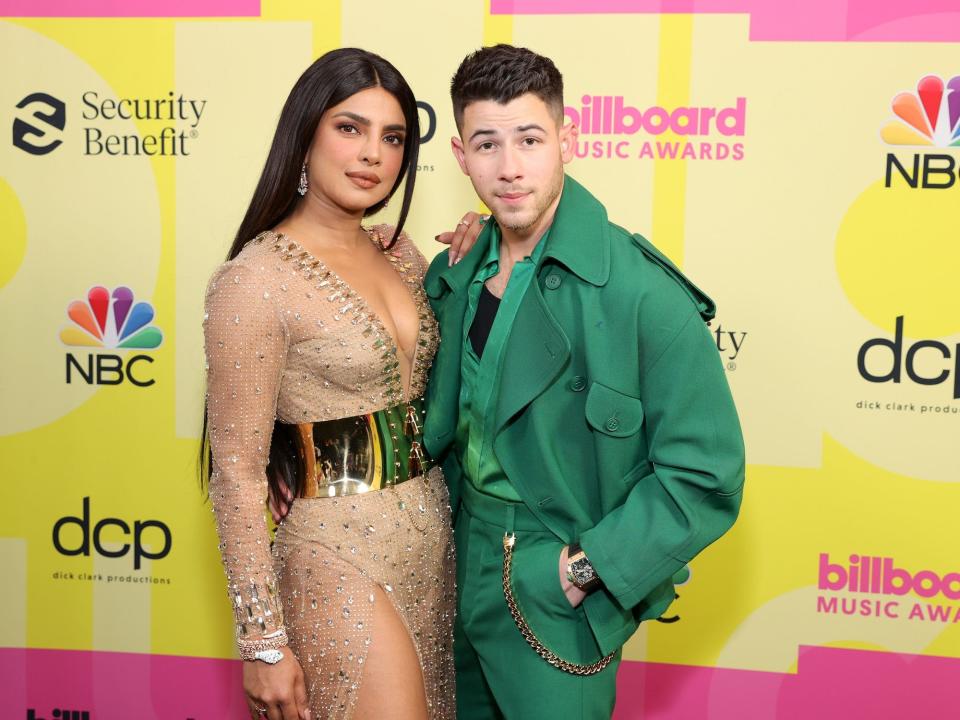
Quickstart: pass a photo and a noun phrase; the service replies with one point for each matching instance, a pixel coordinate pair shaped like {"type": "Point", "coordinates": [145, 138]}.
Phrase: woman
{"type": "Point", "coordinates": [318, 341]}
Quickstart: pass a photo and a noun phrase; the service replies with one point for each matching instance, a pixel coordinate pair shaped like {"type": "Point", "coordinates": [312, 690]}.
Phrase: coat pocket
{"type": "Point", "coordinates": [613, 413]}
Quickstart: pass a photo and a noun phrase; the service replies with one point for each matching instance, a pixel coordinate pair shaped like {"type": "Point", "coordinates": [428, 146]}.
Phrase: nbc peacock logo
{"type": "Point", "coordinates": [930, 116]}
{"type": "Point", "coordinates": [111, 321]}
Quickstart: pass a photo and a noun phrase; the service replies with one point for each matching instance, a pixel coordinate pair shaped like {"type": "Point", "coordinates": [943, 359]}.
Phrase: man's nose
{"type": "Point", "coordinates": [510, 166]}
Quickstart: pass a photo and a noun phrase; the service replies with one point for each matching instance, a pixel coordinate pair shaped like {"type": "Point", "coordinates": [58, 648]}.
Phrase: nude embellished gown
{"type": "Point", "coordinates": [288, 342]}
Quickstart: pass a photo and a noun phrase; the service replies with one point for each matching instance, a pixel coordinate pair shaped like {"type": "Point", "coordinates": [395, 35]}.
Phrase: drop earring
{"type": "Point", "coordinates": [302, 187]}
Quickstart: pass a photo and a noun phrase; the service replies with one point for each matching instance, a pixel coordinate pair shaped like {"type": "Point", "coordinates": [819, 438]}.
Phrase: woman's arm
{"type": "Point", "coordinates": [246, 345]}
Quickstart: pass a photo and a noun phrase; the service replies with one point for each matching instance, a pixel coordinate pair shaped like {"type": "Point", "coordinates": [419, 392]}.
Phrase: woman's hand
{"type": "Point", "coordinates": [276, 692]}
{"type": "Point", "coordinates": [279, 506]}
{"type": "Point", "coordinates": [464, 236]}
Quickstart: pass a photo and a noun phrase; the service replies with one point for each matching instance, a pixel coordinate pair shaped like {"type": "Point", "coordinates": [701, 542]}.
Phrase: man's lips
{"type": "Point", "coordinates": [364, 179]}
{"type": "Point", "coordinates": [513, 196]}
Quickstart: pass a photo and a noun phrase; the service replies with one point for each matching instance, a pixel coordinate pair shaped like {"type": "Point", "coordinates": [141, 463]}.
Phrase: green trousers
{"type": "Point", "coordinates": [498, 674]}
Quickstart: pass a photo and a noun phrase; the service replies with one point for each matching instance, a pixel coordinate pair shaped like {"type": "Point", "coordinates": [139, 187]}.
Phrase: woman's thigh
{"type": "Point", "coordinates": [393, 681]}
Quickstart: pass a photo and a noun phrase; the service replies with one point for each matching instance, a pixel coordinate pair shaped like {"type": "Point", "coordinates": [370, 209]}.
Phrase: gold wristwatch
{"type": "Point", "coordinates": [580, 571]}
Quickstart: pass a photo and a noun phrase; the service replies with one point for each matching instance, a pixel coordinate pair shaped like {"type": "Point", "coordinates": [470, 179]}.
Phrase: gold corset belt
{"type": "Point", "coordinates": [366, 452]}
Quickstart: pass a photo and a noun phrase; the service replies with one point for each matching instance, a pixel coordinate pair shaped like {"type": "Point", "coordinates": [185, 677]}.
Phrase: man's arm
{"type": "Point", "coordinates": [692, 496]}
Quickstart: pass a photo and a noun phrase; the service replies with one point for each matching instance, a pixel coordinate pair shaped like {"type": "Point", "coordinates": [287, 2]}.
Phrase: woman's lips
{"type": "Point", "coordinates": [364, 180]}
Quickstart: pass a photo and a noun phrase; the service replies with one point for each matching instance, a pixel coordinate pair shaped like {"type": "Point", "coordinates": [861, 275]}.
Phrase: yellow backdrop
{"type": "Point", "coordinates": [801, 168]}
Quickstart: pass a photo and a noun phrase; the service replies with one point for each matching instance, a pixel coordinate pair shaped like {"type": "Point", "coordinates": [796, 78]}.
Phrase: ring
{"type": "Point", "coordinates": [261, 711]}
{"type": "Point", "coordinates": [483, 220]}
{"type": "Point", "coordinates": [464, 222]}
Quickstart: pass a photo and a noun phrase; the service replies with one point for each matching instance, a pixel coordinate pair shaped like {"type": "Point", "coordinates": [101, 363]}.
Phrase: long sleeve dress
{"type": "Point", "coordinates": [288, 341]}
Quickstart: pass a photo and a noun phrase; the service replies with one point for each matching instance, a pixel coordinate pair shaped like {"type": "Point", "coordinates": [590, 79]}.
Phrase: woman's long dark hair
{"type": "Point", "coordinates": [329, 81]}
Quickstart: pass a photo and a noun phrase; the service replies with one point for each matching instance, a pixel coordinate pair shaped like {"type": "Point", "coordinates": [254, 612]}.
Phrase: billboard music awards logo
{"type": "Point", "coordinates": [876, 587]}
{"type": "Point", "coordinates": [178, 118]}
{"type": "Point", "coordinates": [110, 321]}
{"type": "Point", "coordinates": [929, 117]}
{"type": "Point", "coordinates": [607, 126]}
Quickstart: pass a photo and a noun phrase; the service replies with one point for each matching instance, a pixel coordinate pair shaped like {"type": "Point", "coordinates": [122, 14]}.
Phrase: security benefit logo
{"type": "Point", "coordinates": [879, 587]}
{"type": "Point", "coordinates": [167, 125]}
{"type": "Point", "coordinates": [37, 127]}
{"type": "Point", "coordinates": [927, 118]}
{"type": "Point", "coordinates": [729, 343]}
{"type": "Point", "coordinates": [110, 321]}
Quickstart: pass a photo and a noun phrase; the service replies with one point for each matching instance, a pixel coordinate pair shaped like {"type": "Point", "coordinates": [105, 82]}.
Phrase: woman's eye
{"type": "Point", "coordinates": [394, 139]}
{"type": "Point", "coordinates": [349, 129]}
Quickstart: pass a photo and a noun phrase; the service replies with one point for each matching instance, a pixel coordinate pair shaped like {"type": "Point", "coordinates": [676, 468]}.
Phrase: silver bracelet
{"type": "Point", "coordinates": [248, 649]}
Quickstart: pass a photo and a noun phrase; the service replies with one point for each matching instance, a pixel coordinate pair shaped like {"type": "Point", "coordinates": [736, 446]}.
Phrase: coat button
{"type": "Point", "coordinates": [553, 281]}
{"type": "Point", "coordinates": [578, 383]}
{"type": "Point", "coordinates": [613, 424]}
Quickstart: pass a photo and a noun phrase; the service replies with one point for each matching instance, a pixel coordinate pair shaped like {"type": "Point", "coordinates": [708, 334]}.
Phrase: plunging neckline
{"type": "Point", "coordinates": [375, 318]}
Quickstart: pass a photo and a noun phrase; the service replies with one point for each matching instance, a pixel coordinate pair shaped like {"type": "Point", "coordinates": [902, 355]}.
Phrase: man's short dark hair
{"type": "Point", "coordinates": [503, 73]}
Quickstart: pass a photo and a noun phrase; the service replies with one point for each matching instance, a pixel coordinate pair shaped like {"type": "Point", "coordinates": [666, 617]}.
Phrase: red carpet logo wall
{"type": "Point", "coordinates": [806, 181]}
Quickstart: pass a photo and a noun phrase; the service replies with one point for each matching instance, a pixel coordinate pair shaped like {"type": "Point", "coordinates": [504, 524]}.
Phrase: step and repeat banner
{"type": "Point", "coordinates": [800, 161]}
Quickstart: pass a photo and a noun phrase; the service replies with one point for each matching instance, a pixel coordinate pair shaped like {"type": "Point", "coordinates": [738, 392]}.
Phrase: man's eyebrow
{"type": "Point", "coordinates": [366, 123]}
{"type": "Point", "coordinates": [527, 128]}
{"type": "Point", "coordinates": [481, 132]}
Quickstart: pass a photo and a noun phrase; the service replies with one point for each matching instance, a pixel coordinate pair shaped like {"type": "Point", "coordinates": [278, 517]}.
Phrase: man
{"type": "Point", "coordinates": [578, 406]}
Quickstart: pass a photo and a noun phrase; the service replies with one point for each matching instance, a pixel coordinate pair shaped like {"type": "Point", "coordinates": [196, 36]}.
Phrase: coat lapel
{"type": "Point", "coordinates": [537, 348]}
{"type": "Point", "coordinates": [447, 290]}
{"type": "Point", "coordinates": [536, 351]}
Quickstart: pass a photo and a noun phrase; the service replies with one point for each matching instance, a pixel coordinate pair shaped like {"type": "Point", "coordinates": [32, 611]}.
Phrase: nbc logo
{"type": "Point", "coordinates": [110, 321]}
{"type": "Point", "coordinates": [930, 117]}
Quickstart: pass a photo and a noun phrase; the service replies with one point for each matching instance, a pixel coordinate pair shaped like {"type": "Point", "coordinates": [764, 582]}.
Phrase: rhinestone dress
{"type": "Point", "coordinates": [286, 339]}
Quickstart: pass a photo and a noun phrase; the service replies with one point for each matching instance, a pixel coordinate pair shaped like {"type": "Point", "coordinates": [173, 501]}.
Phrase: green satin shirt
{"type": "Point", "coordinates": [480, 377]}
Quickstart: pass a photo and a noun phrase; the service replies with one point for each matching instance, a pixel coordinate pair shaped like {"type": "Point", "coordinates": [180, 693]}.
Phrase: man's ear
{"type": "Point", "coordinates": [568, 141]}
{"type": "Point", "coordinates": [456, 144]}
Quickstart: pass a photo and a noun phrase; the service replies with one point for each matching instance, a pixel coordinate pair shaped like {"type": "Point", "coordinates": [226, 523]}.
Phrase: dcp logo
{"type": "Point", "coordinates": [50, 112]}
{"type": "Point", "coordinates": [140, 528]}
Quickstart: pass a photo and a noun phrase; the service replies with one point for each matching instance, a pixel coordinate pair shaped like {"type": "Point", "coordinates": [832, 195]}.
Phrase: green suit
{"type": "Point", "coordinates": [615, 426]}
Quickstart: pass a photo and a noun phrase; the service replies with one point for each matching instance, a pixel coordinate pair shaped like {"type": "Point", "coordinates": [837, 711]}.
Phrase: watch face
{"type": "Point", "coordinates": [582, 571]}
{"type": "Point", "coordinates": [269, 656]}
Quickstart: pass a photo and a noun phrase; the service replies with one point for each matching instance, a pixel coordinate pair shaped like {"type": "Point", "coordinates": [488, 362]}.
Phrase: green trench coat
{"type": "Point", "coordinates": [614, 419]}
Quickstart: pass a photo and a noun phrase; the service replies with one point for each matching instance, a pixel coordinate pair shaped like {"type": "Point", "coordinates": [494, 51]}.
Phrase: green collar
{"type": "Point", "coordinates": [580, 234]}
